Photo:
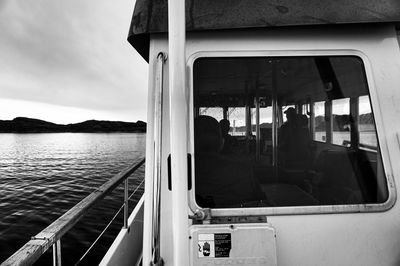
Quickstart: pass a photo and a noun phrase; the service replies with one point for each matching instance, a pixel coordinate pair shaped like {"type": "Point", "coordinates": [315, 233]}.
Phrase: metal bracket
{"type": "Point", "coordinates": [201, 215]}
{"type": "Point", "coordinates": [239, 219]}
{"type": "Point", "coordinates": [39, 238]}
{"type": "Point", "coordinates": [160, 262]}
{"type": "Point", "coordinates": [163, 55]}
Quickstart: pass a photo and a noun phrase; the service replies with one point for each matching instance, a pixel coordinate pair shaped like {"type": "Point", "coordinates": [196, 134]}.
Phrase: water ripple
{"type": "Point", "coordinates": [44, 175]}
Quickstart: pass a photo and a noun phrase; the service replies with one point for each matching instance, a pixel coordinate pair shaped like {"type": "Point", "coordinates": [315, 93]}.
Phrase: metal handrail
{"type": "Point", "coordinates": [156, 256]}
{"type": "Point", "coordinates": [52, 234]}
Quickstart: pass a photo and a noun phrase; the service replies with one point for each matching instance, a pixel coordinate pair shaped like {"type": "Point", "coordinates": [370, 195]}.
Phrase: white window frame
{"type": "Point", "coordinates": [295, 210]}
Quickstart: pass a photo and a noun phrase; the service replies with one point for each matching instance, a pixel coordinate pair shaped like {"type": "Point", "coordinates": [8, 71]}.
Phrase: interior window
{"type": "Point", "coordinates": [264, 154]}
{"type": "Point", "coordinates": [341, 122]}
{"type": "Point", "coordinates": [237, 120]}
{"type": "Point", "coordinates": [216, 112]}
{"type": "Point", "coordinates": [305, 109]}
{"type": "Point", "coordinates": [319, 128]}
{"type": "Point", "coordinates": [366, 124]}
{"type": "Point", "coordinates": [284, 109]}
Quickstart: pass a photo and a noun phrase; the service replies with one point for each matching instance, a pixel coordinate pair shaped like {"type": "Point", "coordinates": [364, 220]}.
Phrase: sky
{"type": "Point", "coordinates": [68, 61]}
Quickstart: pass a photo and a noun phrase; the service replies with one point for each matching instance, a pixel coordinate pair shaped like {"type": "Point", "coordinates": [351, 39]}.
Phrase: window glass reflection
{"type": "Point", "coordinates": [284, 131]}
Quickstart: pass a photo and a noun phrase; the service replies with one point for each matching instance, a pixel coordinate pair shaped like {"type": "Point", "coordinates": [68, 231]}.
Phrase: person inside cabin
{"type": "Point", "coordinates": [289, 137]}
{"type": "Point", "coordinates": [229, 141]}
{"type": "Point", "coordinates": [295, 142]}
{"type": "Point", "coordinates": [221, 181]}
{"type": "Point", "coordinates": [303, 143]}
{"type": "Point", "coordinates": [286, 134]}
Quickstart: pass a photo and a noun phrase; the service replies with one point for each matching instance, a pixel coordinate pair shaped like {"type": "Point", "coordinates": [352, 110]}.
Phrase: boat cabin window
{"type": "Point", "coordinates": [284, 131]}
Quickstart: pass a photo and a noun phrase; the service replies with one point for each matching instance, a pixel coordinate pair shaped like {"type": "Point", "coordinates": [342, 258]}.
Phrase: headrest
{"type": "Point", "coordinates": [207, 134]}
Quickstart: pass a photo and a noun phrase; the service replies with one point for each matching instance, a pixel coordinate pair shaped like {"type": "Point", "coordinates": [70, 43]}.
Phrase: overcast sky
{"type": "Point", "coordinates": [68, 61]}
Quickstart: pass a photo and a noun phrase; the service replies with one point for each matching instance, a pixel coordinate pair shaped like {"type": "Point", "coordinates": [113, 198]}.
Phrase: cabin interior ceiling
{"type": "Point", "coordinates": [219, 77]}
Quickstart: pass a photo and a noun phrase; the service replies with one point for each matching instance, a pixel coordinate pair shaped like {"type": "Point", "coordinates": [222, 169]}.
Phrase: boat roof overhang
{"type": "Point", "coordinates": [151, 16]}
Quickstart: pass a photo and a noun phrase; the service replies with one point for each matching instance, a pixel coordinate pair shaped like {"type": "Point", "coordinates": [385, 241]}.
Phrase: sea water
{"type": "Point", "coordinates": [44, 175]}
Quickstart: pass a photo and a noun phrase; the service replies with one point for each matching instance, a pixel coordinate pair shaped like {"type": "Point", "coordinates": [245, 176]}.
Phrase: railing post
{"type": "Point", "coordinates": [57, 253]}
{"type": "Point", "coordinates": [126, 192]}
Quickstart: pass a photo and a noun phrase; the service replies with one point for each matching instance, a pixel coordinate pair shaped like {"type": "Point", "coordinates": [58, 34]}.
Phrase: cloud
{"type": "Point", "coordinates": [71, 53]}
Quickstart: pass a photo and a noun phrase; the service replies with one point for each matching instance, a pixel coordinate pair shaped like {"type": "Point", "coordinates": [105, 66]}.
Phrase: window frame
{"type": "Point", "coordinates": [294, 210]}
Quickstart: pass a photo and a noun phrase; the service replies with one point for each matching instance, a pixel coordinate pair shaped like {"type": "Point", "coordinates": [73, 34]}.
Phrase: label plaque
{"type": "Point", "coordinates": [223, 245]}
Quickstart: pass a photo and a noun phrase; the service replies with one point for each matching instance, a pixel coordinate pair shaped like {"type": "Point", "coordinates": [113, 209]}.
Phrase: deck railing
{"type": "Point", "coordinates": [51, 235]}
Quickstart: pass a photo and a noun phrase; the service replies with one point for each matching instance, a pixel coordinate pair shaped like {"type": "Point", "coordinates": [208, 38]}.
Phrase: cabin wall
{"type": "Point", "coordinates": [338, 238]}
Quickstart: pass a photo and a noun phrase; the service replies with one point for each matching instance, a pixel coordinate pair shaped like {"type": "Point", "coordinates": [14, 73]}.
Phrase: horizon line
{"type": "Point", "coordinates": [101, 120]}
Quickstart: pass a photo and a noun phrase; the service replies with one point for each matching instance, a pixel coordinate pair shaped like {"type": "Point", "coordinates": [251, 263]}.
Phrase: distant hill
{"type": "Point", "coordinates": [342, 122]}
{"type": "Point", "coordinates": [30, 125]}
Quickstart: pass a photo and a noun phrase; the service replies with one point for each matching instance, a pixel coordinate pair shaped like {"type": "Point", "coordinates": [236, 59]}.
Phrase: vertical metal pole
{"type": "Point", "coordinates": [178, 130]}
{"type": "Point", "coordinates": [126, 191]}
{"type": "Point", "coordinates": [248, 120]}
{"type": "Point", "coordinates": [57, 253]}
{"type": "Point", "coordinates": [248, 126]}
{"type": "Point", "coordinates": [312, 119]}
{"type": "Point", "coordinates": [354, 121]}
{"type": "Point", "coordinates": [225, 112]}
{"type": "Point", "coordinates": [328, 121]}
{"type": "Point", "coordinates": [274, 120]}
{"type": "Point", "coordinates": [258, 137]}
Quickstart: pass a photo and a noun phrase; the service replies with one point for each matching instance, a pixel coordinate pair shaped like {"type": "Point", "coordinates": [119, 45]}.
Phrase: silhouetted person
{"type": "Point", "coordinates": [286, 136]}
{"type": "Point", "coordinates": [220, 181]}
{"type": "Point", "coordinates": [302, 128]}
{"type": "Point", "coordinates": [229, 141]}
{"type": "Point", "coordinates": [295, 141]}
{"type": "Point", "coordinates": [303, 143]}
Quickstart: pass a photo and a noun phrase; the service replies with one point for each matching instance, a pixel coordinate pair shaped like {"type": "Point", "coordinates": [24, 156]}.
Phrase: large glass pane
{"type": "Point", "coordinates": [266, 154]}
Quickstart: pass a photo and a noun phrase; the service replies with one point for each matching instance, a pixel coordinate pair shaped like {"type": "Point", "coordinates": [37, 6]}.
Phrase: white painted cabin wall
{"type": "Point", "coordinates": [325, 239]}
